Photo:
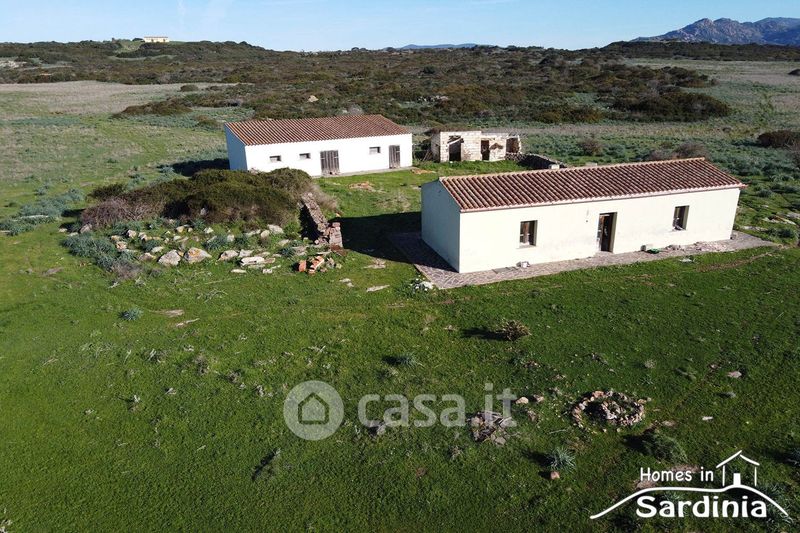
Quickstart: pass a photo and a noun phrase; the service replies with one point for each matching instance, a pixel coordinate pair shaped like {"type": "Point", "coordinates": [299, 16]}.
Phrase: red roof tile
{"type": "Point", "coordinates": [255, 132]}
{"type": "Point", "coordinates": [538, 187]}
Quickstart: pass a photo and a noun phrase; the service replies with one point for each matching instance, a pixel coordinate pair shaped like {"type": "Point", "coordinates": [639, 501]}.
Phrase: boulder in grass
{"type": "Point", "coordinates": [275, 229]}
{"type": "Point", "coordinates": [196, 255]}
{"type": "Point", "coordinates": [252, 260]}
{"type": "Point", "coordinates": [171, 258]}
{"type": "Point", "coordinates": [146, 257]}
{"type": "Point", "coordinates": [228, 255]}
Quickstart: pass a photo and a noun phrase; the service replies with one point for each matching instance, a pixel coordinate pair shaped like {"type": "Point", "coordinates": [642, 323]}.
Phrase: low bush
{"type": "Point", "coordinates": [590, 146]}
{"type": "Point", "coordinates": [691, 149]}
{"type": "Point", "coordinates": [213, 195]}
{"type": "Point", "coordinates": [674, 106]}
{"type": "Point", "coordinates": [164, 108]}
{"type": "Point", "coordinates": [663, 447]}
{"type": "Point", "coordinates": [795, 72]}
{"type": "Point", "coordinates": [561, 459]}
{"type": "Point", "coordinates": [134, 313]}
{"type": "Point", "coordinates": [190, 88]}
{"type": "Point", "coordinates": [779, 138]}
{"type": "Point", "coordinates": [512, 330]}
{"type": "Point", "coordinates": [107, 191]}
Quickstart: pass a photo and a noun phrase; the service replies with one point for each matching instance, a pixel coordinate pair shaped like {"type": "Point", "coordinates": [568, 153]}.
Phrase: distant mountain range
{"type": "Point", "coordinates": [781, 31]}
{"type": "Point", "coordinates": [437, 46]}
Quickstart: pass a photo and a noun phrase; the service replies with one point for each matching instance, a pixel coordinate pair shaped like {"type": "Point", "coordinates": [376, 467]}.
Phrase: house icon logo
{"type": "Point", "coordinates": [313, 410]}
{"type": "Point", "coordinates": [734, 466]}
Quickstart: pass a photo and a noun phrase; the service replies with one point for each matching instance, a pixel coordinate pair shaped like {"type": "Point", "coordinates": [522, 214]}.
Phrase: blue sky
{"type": "Point", "coordinates": [343, 24]}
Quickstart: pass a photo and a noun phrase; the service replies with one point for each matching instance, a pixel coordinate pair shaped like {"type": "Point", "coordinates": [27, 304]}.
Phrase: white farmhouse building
{"type": "Point", "coordinates": [326, 146]}
{"type": "Point", "coordinates": [492, 221]}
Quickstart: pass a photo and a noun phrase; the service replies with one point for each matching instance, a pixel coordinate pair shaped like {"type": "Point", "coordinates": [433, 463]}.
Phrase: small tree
{"type": "Point", "coordinates": [794, 153]}
{"type": "Point", "coordinates": [591, 146]}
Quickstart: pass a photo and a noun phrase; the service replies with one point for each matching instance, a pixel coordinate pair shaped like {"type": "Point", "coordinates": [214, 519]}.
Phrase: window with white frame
{"type": "Point", "coordinates": [374, 150]}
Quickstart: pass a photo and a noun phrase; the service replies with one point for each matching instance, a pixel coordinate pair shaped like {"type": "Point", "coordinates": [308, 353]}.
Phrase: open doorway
{"type": "Point", "coordinates": [605, 232]}
{"type": "Point", "coordinates": [485, 150]}
{"type": "Point", "coordinates": [454, 148]}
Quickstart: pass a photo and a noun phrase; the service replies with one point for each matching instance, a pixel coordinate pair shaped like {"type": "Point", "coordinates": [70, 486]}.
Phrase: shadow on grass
{"type": "Point", "coordinates": [192, 167]}
{"type": "Point", "coordinates": [540, 460]}
{"type": "Point", "coordinates": [483, 333]}
{"type": "Point", "coordinates": [370, 235]}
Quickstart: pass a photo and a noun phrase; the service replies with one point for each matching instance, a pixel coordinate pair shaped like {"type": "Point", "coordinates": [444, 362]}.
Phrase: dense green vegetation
{"type": "Point", "coordinates": [211, 195]}
{"type": "Point", "coordinates": [487, 83]}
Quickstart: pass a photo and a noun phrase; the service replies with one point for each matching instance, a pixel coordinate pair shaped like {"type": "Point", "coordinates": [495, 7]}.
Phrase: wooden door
{"type": "Point", "coordinates": [605, 232]}
{"type": "Point", "coordinates": [394, 156]}
{"type": "Point", "coordinates": [330, 162]}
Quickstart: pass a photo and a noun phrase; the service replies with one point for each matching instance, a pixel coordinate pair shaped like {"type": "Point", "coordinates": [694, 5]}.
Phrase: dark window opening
{"type": "Point", "coordinates": [679, 217]}
{"type": "Point", "coordinates": [274, 159]}
{"type": "Point", "coordinates": [527, 233]}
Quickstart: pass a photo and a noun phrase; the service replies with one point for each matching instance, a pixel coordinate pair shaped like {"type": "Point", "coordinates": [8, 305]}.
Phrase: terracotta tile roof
{"type": "Point", "coordinates": [552, 186]}
{"type": "Point", "coordinates": [255, 132]}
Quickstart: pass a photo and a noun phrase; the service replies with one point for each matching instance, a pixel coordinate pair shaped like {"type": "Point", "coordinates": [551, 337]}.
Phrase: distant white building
{"type": "Point", "coordinates": [155, 39]}
{"type": "Point", "coordinates": [492, 221]}
{"type": "Point", "coordinates": [346, 144]}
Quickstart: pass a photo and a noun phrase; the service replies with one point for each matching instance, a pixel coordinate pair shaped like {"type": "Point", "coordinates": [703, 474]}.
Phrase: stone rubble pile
{"type": "Point", "coordinates": [321, 231]}
{"type": "Point", "coordinates": [491, 426]}
{"type": "Point", "coordinates": [608, 407]}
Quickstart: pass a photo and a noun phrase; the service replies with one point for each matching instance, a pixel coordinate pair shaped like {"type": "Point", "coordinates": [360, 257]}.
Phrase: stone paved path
{"type": "Point", "coordinates": [433, 267]}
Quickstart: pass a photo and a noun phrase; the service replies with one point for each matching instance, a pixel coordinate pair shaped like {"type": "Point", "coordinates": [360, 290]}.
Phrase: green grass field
{"type": "Point", "coordinates": [92, 440]}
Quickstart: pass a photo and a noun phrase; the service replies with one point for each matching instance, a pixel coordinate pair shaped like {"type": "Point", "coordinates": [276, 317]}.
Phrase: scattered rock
{"type": "Point", "coordinates": [491, 426]}
{"type": "Point", "coordinates": [264, 235]}
{"type": "Point", "coordinates": [377, 288]}
{"type": "Point", "coordinates": [267, 270]}
{"type": "Point", "coordinates": [229, 238]}
{"type": "Point", "coordinates": [130, 234]}
{"type": "Point", "coordinates": [147, 257]}
{"type": "Point", "coordinates": [172, 313]}
{"type": "Point", "coordinates": [157, 249]}
{"type": "Point", "coordinates": [186, 323]}
{"type": "Point", "coordinates": [554, 475]}
{"type": "Point", "coordinates": [707, 418]}
{"type": "Point", "coordinates": [245, 253]}
{"type": "Point", "coordinates": [209, 230]}
{"type": "Point", "coordinates": [275, 229]}
{"type": "Point", "coordinates": [252, 261]}
{"type": "Point", "coordinates": [180, 229]}
{"type": "Point", "coordinates": [302, 265]}
{"type": "Point", "coordinates": [735, 374]}
{"type": "Point", "coordinates": [228, 255]}
{"type": "Point", "coordinates": [121, 245]}
{"type": "Point", "coordinates": [522, 401]}
{"type": "Point", "coordinates": [170, 392]}
{"type": "Point", "coordinates": [238, 271]}
{"type": "Point", "coordinates": [376, 428]}
{"type": "Point", "coordinates": [171, 258]}
{"type": "Point", "coordinates": [312, 99]}
{"type": "Point", "coordinates": [538, 398]}
{"type": "Point", "coordinates": [283, 242]}
{"type": "Point", "coordinates": [86, 228]}
{"type": "Point", "coordinates": [196, 255]}
{"type": "Point", "coordinates": [377, 264]}
{"type": "Point", "coordinates": [51, 271]}
{"type": "Point", "coordinates": [62, 230]}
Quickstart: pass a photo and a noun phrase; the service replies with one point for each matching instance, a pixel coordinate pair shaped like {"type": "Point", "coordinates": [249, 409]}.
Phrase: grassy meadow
{"type": "Point", "coordinates": [174, 420]}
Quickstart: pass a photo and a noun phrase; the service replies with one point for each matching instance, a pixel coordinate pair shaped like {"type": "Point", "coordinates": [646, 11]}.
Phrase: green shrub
{"type": "Point", "coordinates": [87, 245]}
{"type": "Point", "coordinates": [190, 88]}
{"type": "Point", "coordinates": [561, 459]}
{"type": "Point", "coordinates": [217, 242]}
{"type": "Point", "coordinates": [663, 447]}
{"type": "Point", "coordinates": [134, 313]}
{"type": "Point", "coordinates": [512, 330]}
{"type": "Point", "coordinates": [674, 105]}
{"type": "Point", "coordinates": [107, 191]}
{"type": "Point", "coordinates": [164, 108]}
{"type": "Point", "coordinates": [779, 138]}
{"type": "Point", "coordinates": [590, 146]}
{"type": "Point", "coordinates": [787, 232]}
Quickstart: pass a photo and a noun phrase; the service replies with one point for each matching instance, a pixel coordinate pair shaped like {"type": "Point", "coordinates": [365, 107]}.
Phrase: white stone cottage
{"type": "Point", "coordinates": [493, 221]}
{"type": "Point", "coordinates": [326, 146]}
{"type": "Point", "coordinates": [473, 145]}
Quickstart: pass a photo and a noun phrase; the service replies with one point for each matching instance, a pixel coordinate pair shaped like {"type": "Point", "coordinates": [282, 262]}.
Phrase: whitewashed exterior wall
{"type": "Point", "coordinates": [440, 222]}
{"type": "Point", "coordinates": [490, 239]}
{"type": "Point", "coordinates": [354, 154]}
